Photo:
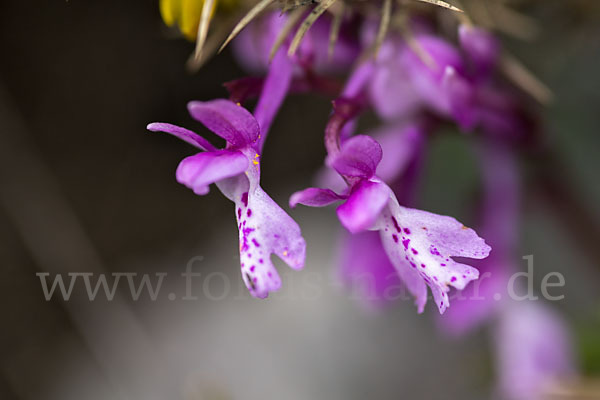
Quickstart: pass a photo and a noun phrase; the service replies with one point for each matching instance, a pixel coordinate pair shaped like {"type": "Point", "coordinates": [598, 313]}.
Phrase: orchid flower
{"type": "Point", "coordinates": [419, 244]}
{"type": "Point", "coordinates": [362, 264]}
{"type": "Point", "coordinates": [430, 74]}
{"type": "Point", "coordinates": [254, 44]}
{"type": "Point", "coordinates": [264, 228]}
{"type": "Point", "coordinates": [533, 351]}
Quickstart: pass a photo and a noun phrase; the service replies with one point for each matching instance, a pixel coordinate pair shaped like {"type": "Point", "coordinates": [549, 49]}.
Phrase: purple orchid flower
{"type": "Point", "coordinates": [430, 74]}
{"type": "Point", "coordinates": [253, 45]}
{"type": "Point", "coordinates": [264, 228]}
{"type": "Point", "coordinates": [362, 264]}
{"type": "Point", "coordinates": [431, 77]}
{"type": "Point", "coordinates": [419, 244]}
{"type": "Point", "coordinates": [533, 351]}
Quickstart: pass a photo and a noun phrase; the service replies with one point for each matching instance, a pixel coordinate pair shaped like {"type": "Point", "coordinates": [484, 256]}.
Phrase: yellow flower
{"type": "Point", "coordinates": [186, 14]}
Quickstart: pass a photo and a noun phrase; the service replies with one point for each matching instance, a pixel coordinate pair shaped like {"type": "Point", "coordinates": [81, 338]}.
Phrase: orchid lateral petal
{"type": "Point", "coordinates": [182, 133]}
{"type": "Point", "coordinates": [315, 197]}
{"type": "Point", "coordinates": [200, 170]}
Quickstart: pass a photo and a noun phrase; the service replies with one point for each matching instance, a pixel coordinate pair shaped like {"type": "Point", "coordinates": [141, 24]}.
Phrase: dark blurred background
{"type": "Point", "coordinates": [86, 188]}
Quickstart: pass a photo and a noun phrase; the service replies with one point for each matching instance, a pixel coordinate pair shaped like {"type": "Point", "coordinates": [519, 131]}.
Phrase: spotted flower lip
{"type": "Point", "coordinates": [419, 244]}
{"type": "Point", "coordinates": [264, 228]}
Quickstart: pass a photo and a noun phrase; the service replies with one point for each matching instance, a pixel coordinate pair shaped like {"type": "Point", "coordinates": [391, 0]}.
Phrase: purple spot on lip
{"type": "Point", "coordinates": [453, 279]}
{"type": "Point", "coordinates": [255, 243]}
{"type": "Point", "coordinates": [407, 231]}
{"type": "Point", "coordinates": [414, 251]}
{"type": "Point", "coordinates": [413, 264]}
{"type": "Point", "coordinates": [260, 260]}
{"type": "Point", "coordinates": [249, 212]}
{"type": "Point", "coordinates": [434, 251]}
{"type": "Point", "coordinates": [443, 265]}
{"type": "Point", "coordinates": [252, 268]}
{"type": "Point", "coordinates": [245, 199]}
{"type": "Point", "coordinates": [395, 237]}
{"type": "Point", "coordinates": [405, 242]}
{"type": "Point", "coordinates": [423, 266]}
{"type": "Point", "coordinates": [396, 225]}
{"type": "Point", "coordinates": [239, 213]}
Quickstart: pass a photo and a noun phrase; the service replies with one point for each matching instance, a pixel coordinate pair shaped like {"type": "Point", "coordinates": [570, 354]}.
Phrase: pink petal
{"type": "Point", "coordinates": [184, 134]}
{"type": "Point", "coordinates": [389, 79]}
{"type": "Point", "coordinates": [358, 157]}
{"type": "Point", "coordinates": [460, 96]}
{"type": "Point", "coordinates": [230, 121]}
{"type": "Point", "coordinates": [314, 197]}
{"type": "Point", "coordinates": [426, 79]}
{"type": "Point", "coordinates": [364, 205]}
{"type": "Point", "coordinates": [401, 144]}
{"type": "Point", "coordinates": [273, 93]}
{"type": "Point", "coordinates": [200, 170]}
{"type": "Point", "coordinates": [480, 46]}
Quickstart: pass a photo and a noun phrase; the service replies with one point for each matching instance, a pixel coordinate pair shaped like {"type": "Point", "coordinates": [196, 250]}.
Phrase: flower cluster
{"type": "Point", "coordinates": [412, 84]}
{"type": "Point", "coordinates": [414, 80]}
